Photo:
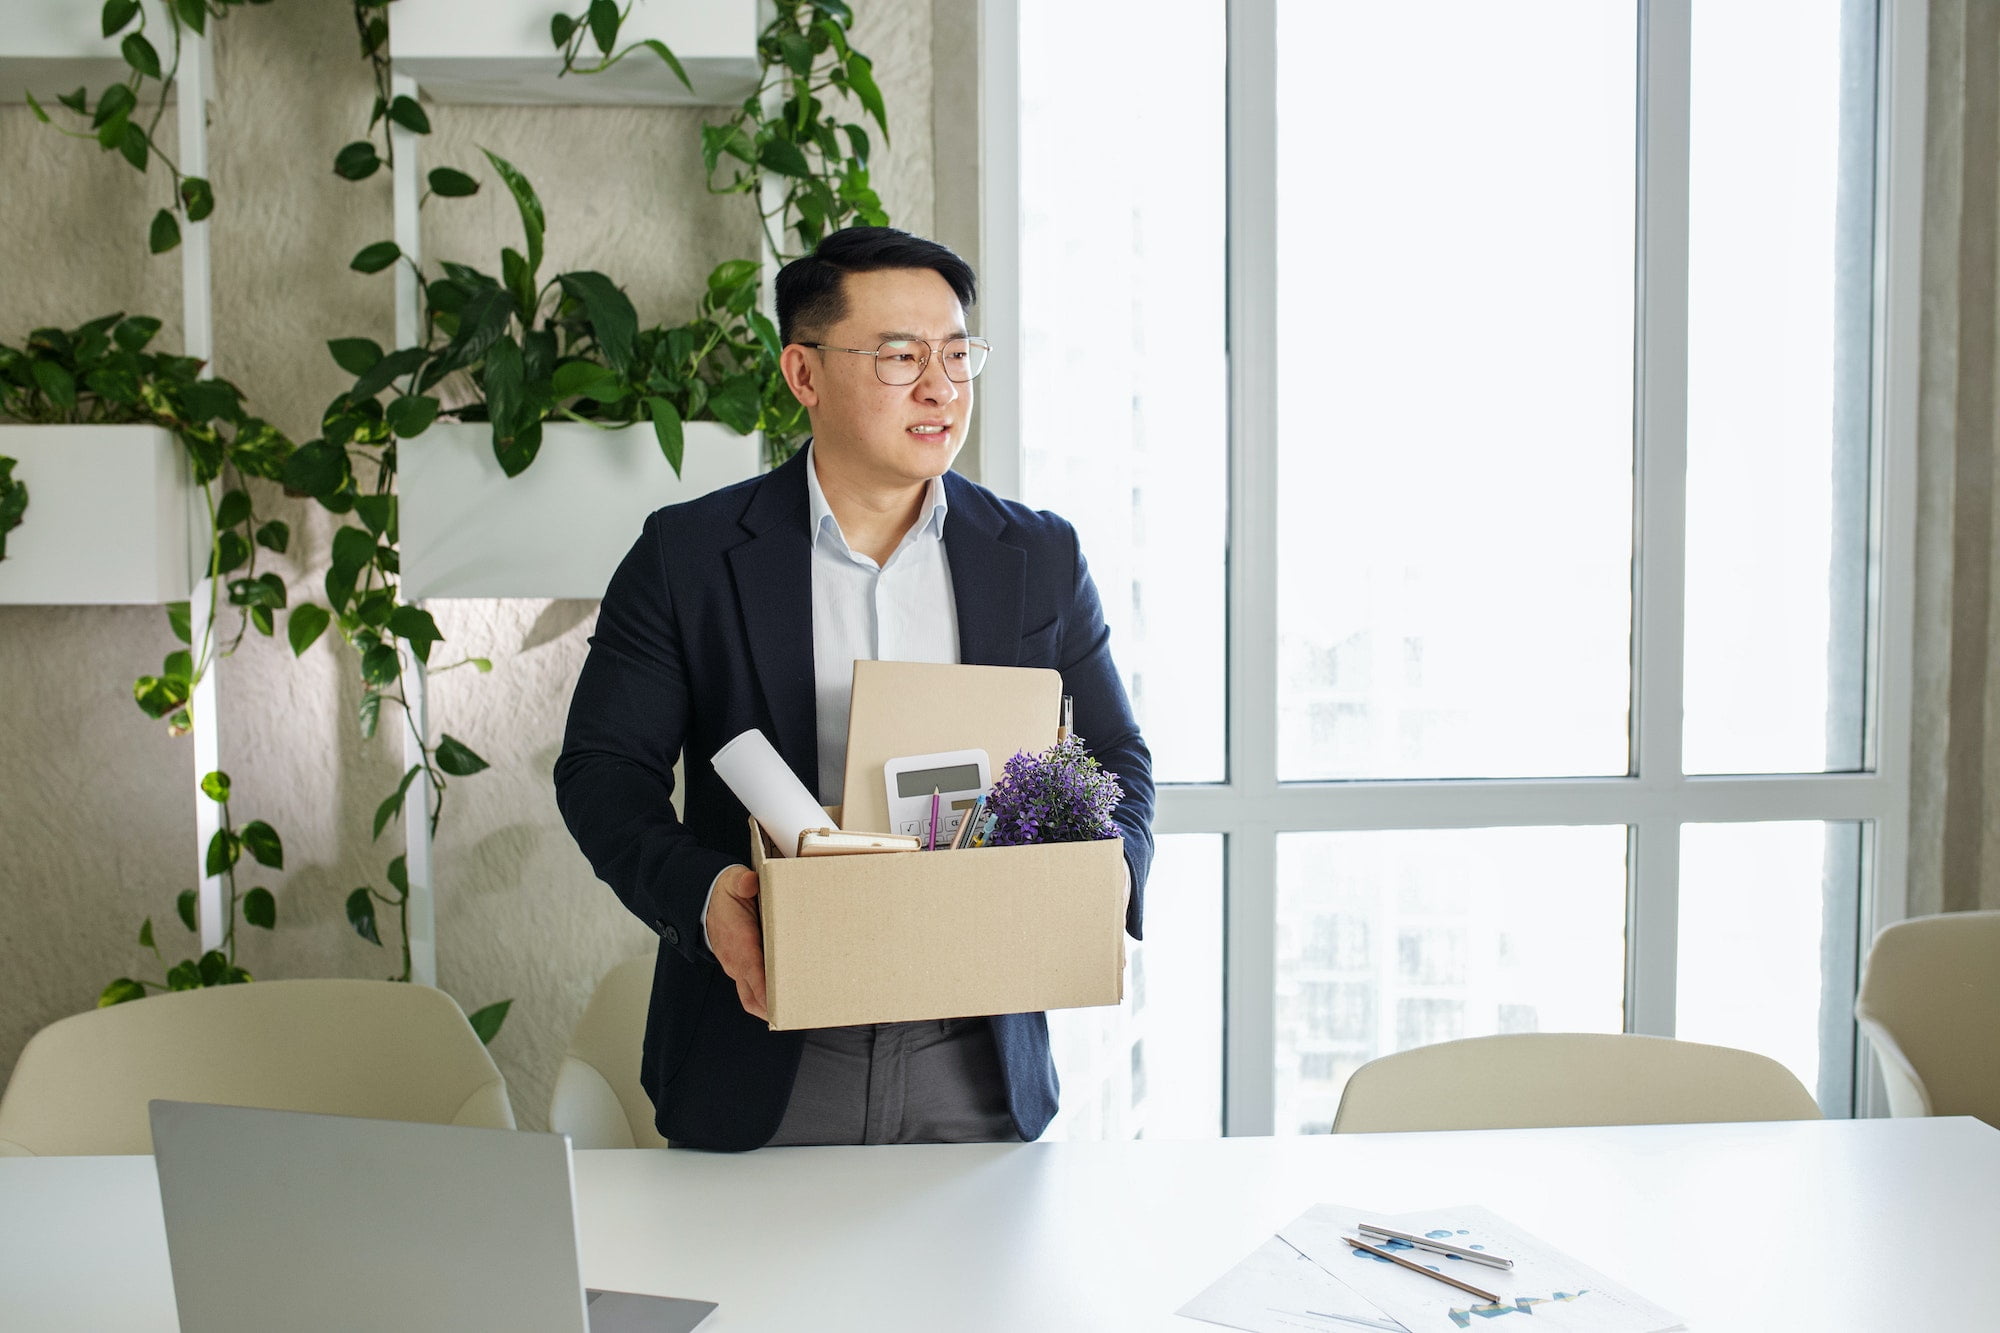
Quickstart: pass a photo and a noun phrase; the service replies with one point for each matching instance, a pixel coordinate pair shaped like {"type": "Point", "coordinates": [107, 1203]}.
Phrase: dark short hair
{"type": "Point", "coordinates": [810, 295]}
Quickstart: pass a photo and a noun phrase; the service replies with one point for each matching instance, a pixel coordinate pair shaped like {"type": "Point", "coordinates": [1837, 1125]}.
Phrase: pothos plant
{"type": "Point", "coordinates": [517, 351]}
{"type": "Point", "coordinates": [121, 121]}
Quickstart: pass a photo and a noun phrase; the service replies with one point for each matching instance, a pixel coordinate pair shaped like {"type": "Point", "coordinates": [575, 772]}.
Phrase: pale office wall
{"type": "Point", "coordinates": [96, 804]}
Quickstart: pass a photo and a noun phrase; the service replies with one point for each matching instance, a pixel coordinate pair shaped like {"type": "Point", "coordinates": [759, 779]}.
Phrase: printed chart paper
{"type": "Point", "coordinates": [1279, 1290]}
{"type": "Point", "coordinates": [1546, 1289]}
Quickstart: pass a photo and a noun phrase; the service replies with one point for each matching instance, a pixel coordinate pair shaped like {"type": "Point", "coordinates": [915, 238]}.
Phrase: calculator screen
{"type": "Point", "coordinates": [958, 777]}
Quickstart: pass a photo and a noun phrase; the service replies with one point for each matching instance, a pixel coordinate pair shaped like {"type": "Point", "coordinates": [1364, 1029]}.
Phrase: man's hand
{"type": "Point", "coordinates": [736, 936]}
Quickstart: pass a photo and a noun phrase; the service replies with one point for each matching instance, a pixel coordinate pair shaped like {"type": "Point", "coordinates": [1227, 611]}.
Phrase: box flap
{"type": "Point", "coordinates": [906, 708]}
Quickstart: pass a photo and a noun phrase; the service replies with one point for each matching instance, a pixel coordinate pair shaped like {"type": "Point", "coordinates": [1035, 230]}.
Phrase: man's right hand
{"type": "Point", "coordinates": [736, 936]}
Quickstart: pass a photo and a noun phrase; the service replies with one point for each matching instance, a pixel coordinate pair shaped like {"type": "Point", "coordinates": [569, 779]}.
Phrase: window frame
{"type": "Point", "coordinates": [1251, 808]}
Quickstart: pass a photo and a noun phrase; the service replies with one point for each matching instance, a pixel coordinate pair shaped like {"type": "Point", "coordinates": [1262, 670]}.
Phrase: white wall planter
{"type": "Point", "coordinates": [50, 46]}
{"type": "Point", "coordinates": [112, 517]}
{"type": "Point", "coordinates": [498, 51]}
{"type": "Point", "coordinates": [561, 527]}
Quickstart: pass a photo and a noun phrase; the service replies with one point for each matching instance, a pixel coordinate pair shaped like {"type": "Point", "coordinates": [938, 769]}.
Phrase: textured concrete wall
{"type": "Point", "coordinates": [96, 803]}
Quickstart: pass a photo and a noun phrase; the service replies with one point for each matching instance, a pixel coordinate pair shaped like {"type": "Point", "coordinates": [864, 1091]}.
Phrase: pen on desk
{"type": "Point", "coordinates": [968, 824]}
{"type": "Point", "coordinates": [936, 793]}
{"type": "Point", "coordinates": [1365, 1248]}
{"type": "Point", "coordinates": [1436, 1246]}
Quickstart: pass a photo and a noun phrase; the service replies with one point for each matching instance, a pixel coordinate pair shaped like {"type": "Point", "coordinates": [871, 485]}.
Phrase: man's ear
{"type": "Point", "coordinates": [802, 371]}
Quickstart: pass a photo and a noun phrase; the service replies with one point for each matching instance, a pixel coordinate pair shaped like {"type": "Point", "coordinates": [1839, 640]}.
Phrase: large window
{"type": "Point", "coordinates": [1490, 425]}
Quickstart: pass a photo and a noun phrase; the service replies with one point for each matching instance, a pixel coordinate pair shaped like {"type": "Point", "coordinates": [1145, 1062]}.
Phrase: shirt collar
{"type": "Point", "coordinates": [931, 525]}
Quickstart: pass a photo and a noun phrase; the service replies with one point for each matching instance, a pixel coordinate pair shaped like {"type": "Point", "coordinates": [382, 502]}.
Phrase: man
{"type": "Point", "coordinates": [748, 608]}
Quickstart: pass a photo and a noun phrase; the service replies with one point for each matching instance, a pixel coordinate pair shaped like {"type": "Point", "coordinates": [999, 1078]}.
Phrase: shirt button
{"type": "Point", "coordinates": [670, 935]}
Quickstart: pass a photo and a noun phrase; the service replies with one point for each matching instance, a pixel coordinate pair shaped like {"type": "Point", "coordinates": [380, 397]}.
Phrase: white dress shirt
{"type": "Point", "coordinates": [900, 611]}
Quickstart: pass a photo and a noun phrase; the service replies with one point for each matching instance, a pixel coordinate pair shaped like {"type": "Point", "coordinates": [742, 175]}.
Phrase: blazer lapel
{"type": "Point", "coordinates": [773, 576]}
{"type": "Point", "coordinates": [989, 579]}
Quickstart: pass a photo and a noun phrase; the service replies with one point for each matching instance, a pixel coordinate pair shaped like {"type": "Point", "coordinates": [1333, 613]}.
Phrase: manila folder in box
{"type": "Point", "coordinates": [906, 708]}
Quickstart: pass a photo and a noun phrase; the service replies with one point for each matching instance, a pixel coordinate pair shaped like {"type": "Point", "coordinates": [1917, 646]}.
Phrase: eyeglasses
{"type": "Point", "coordinates": [904, 360]}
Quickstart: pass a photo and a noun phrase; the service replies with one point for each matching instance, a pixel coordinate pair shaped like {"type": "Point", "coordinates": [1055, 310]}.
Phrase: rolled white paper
{"type": "Point", "coordinates": [769, 790]}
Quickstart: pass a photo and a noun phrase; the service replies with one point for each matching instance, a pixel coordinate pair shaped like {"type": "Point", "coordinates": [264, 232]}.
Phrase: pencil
{"type": "Point", "coordinates": [1486, 1296]}
{"type": "Point", "coordinates": [1426, 1243]}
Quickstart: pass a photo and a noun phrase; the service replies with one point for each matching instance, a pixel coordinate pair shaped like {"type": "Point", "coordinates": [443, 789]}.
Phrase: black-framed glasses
{"type": "Point", "coordinates": [904, 360]}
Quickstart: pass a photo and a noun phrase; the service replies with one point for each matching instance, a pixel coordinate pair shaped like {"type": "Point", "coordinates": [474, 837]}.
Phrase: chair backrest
{"type": "Point", "coordinates": [597, 1099]}
{"type": "Point", "coordinates": [1930, 1005]}
{"type": "Point", "coordinates": [381, 1049]}
{"type": "Point", "coordinates": [1543, 1080]}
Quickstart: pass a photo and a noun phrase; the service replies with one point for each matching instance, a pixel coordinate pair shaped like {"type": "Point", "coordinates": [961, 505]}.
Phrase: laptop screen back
{"type": "Point", "coordinates": [318, 1224]}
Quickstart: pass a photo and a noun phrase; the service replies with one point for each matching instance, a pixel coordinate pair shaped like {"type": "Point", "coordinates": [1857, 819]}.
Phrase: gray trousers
{"type": "Point", "coordinates": [929, 1082]}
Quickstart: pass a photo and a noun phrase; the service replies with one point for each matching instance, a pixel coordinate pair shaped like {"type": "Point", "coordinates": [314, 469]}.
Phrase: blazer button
{"type": "Point", "coordinates": [670, 935]}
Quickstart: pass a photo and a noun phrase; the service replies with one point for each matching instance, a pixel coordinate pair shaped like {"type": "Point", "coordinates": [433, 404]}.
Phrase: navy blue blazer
{"type": "Point", "coordinates": [706, 631]}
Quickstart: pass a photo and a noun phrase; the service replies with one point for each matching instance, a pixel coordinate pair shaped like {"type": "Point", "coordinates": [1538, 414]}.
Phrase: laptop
{"type": "Point", "coordinates": [330, 1224]}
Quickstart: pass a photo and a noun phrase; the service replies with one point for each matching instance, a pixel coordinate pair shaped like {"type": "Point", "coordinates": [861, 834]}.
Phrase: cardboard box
{"type": "Point", "coordinates": [897, 936]}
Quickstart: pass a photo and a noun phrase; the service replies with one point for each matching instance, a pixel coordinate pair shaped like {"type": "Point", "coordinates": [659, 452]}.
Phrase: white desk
{"type": "Point", "coordinates": [1836, 1225]}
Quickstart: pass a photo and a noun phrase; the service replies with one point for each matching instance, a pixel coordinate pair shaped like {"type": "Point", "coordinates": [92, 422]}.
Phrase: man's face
{"type": "Point", "coordinates": [891, 435]}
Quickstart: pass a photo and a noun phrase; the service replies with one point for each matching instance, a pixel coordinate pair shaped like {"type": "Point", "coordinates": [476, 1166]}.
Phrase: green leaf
{"type": "Point", "coordinates": [274, 536]}
{"type": "Point", "coordinates": [261, 617]}
{"type": "Point", "coordinates": [604, 22]}
{"type": "Point", "coordinates": [861, 79]}
{"type": "Point", "coordinates": [361, 915]}
{"type": "Point", "coordinates": [215, 786]}
{"type": "Point", "coordinates": [667, 430]}
{"type": "Point", "coordinates": [177, 621]}
{"type": "Point", "coordinates": [797, 53]}
{"type": "Point", "coordinates": [455, 758]}
{"type": "Point", "coordinates": [36, 107]}
{"type": "Point", "coordinates": [198, 198]}
{"type": "Point", "coordinates": [225, 849]}
{"type": "Point", "coordinates": [57, 383]}
{"type": "Point", "coordinates": [263, 843]}
{"type": "Point", "coordinates": [487, 313]}
{"type": "Point", "coordinates": [159, 698]}
{"type": "Point", "coordinates": [659, 48]}
{"type": "Point", "coordinates": [452, 184]}
{"type": "Point", "coordinates": [505, 385]}
{"type": "Point", "coordinates": [260, 909]}
{"type": "Point", "coordinates": [119, 991]}
{"type": "Point", "coordinates": [184, 975]}
{"type": "Point", "coordinates": [737, 403]}
{"type": "Point", "coordinates": [610, 314]}
{"type": "Point", "coordinates": [231, 552]}
{"type": "Point", "coordinates": [415, 624]}
{"type": "Point", "coordinates": [730, 275]}
{"type": "Point", "coordinates": [406, 112]}
{"type": "Point", "coordinates": [307, 622]}
{"type": "Point", "coordinates": [214, 968]}
{"type": "Point", "coordinates": [399, 875]}
{"type": "Point", "coordinates": [393, 806]}
{"type": "Point", "coordinates": [369, 713]}
{"type": "Point", "coordinates": [767, 333]}
{"type": "Point", "coordinates": [78, 101]}
{"type": "Point", "coordinates": [486, 1022]}
{"type": "Point", "coordinates": [165, 234]}
{"type": "Point", "coordinates": [481, 664]}
{"type": "Point", "coordinates": [146, 934]}
{"type": "Point", "coordinates": [784, 157]}
{"type": "Point", "coordinates": [525, 198]}
{"type": "Point", "coordinates": [179, 667]}
{"type": "Point", "coordinates": [561, 28]}
{"type": "Point", "coordinates": [194, 13]}
{"type": "Point", "coordinates": [412, 414]}
{"type": "Point", "coordinates": [317, 469]}
{"type": "Point", "coordinates": [357, 161]}
{"type": "Point", "coordinates": [234, 508]}
{"type": "Point", "coordinates": [516, 454]}
{"type": "Point", "coordinates": [379, 664]}
{"type": "Point", "coordinates": [356, 356]}
{"type": "Point", "coordinates": [117, 101]}
{"type": "Point", "coordinates": [132, 143]}
{"type": "Point", "coordinates": [184, 906]}
{"type": "Point", "coordinates": [587, 379]}
{"type": "Point", "coordinates": [517, 278]}
{"type": "Point", "coordinates": [118, 13]}
{"type": "Point", "coordinates": [374, 258]}
{"type": "Point", "coordinates": [140, 55]}
{"type": "Point", "coordinates": [386, 371]}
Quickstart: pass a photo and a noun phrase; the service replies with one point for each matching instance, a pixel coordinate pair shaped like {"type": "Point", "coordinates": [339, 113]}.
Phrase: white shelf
{"type": "Point", "coordinates": [48, 47]}
{"type": "Point", "coordinates": [561, 527]}
{"type": "Point", "coordinates": [500, 52]}
{"type": "Point", "coordinates": [112, 517]}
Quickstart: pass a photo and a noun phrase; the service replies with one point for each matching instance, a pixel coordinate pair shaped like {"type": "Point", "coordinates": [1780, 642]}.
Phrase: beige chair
{"type": "Point", "coordinates": [597, 1100]}
{"type": "Point", "coordinates": [1540, 1080]}
{"type": "Point", "coordinates": [379, 1049]}
{"type": "Point", "coordinates": [1930, 1005]}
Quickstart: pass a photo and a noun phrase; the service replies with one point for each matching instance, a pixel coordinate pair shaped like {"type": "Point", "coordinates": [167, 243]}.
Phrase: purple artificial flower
{"type": "Point", "coordinates": [1062, 795]}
